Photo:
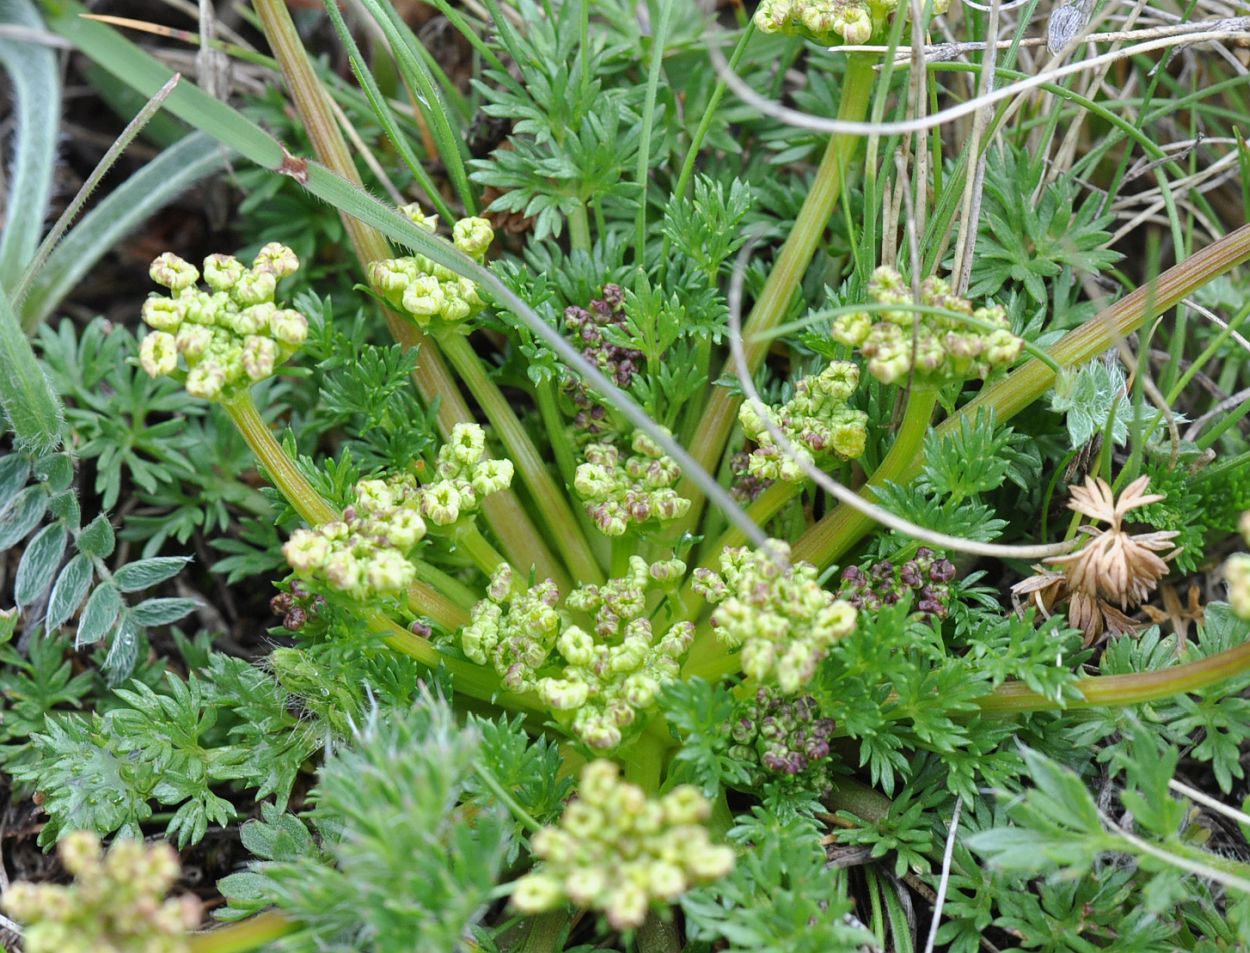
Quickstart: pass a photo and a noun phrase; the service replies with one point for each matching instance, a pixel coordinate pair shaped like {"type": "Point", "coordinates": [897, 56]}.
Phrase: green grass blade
{"type": "Point", "coordinates": [35, 84]}
{"type": "Point", "coordinates": [26, 395]}
{"type": "Point", "coordinates": [125, 208]}
{"type": "Point", "coordinates": [150, 108]}
{"type": "Point", "coordinates": [385, 116]}
{"type": "Point", "coordinates": [451, 148]}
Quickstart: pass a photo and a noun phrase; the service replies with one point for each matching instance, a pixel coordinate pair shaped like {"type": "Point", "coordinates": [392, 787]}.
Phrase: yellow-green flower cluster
{"type": "Point", "coordinates": [829, 22]}
{"type": "Point", "coordinates": [816, 422]}
{"type": "Point", "coordinates": [114, 905]}
{"type": "Point", "coordinates": [423, 289]}
{"type": "Point", "coordinates": [367, 552]}
{"type": "Point", "coordinates": [618, 851]}
{"type": "Point", "coordinates": [229, 336]}
{"type": "Point", "coordinates": [636, 490]}
{"type": "Point", "coordinates": [776, 611]}
{"type": "Point", "coordinates": [1237, 574]}
{"type": "Point", "coordinates": [596, 661]}
{"type": "Point", "coordinates": [935, 347]}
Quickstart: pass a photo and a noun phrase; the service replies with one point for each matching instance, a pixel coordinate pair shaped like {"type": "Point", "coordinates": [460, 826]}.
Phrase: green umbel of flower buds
{"type": "Point", "coordinates": [619, 852]}
{"type": "Point", "coordinates": [935, 348]}
{"type": "Point", "coordinates": [368, 552]}
{"type": "Point", "coordinates": [816, 422]}
{"type": "Point", "coordinates": [830, 22]}
{"type": "Point", "coordinates": [776, 611]}
{"type": "Point", "coordinates": [227, 337]}
{"type": "Point", "coordinates": [596, 661]}
{"type": "Point", "coordinates": [115, 904]}
{"type": "Point", "coordinates": [636, 490]}
{"type": "Point", "coordinates": [426, 291]}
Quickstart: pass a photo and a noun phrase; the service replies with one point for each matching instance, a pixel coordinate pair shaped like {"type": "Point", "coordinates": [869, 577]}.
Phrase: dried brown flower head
{"type": "Point", "coordinates": [1111, 574]}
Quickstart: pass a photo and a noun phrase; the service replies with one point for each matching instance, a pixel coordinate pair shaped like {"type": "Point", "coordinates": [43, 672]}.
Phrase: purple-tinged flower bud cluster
{"type": "Point", "coordinates": [229, 337]}
{"type": "Point", "coordinates": [746, 486]}
{"type": "Point", "coordinates": [632, 491]}
{"type": "Point", "coordinates": [596, 661]}
{"type": "Point", "coordinates": [784, 737]}
{"type": "Point", "coordinates": [927, 576]}
{"type": "Point", "coordinates": [115, 904]}
{"type": "Point", "coordinates": [816, 421]}
{"type": "Point", "coordinates": [619, 364]}
{"type": "Point", "coordinates": [776, 611]}
{"type": "Point", "coordinates": [935, 348]}
{"type": "Point", "coordinates": [618, 851]}
{"type": "Point", "coordinates": [426, 291]}
{"type": "Point", "coordinates": [367, 553]}
{"type": "Point", "coordinates": [296, 606]}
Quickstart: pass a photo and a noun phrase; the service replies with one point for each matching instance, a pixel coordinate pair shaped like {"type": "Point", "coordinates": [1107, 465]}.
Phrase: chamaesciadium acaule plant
{"type": "Point", "coordinates": [660, 476]}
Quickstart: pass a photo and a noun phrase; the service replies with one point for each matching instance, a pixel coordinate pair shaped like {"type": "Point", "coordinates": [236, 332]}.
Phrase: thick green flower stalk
{"type": "Point", "coordinates": [829, 22]}
{"type": "Point", "coordinates": [435, 297]}
{"type": "Point", "coordinates": [949, 341]}
{"type": "Point", "coordinates": [778, 613]}
{"type": "Point", "coordinates": [816, 422]}
{"type": "Point", "coordinates": [596, 661]}
{"type": "Point", "coordinates": [114, 905]}
{"type": "Point", "coordinates": [229, 337]}
{"type": "Point", "coordinates": [620, 852]}
{"type": "Point", "coordinates": [636, 491]}
{"type": "Point", "coordinates": [369, 552]}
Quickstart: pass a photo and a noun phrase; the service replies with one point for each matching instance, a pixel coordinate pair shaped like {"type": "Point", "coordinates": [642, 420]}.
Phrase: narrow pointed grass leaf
{"type": "Point", "coordinates": [384, 114]}
{"type": "Point", "coordinates": [32, 407]}
{"type": "Point", "coordinates": [35, 91]}
{"type": "Point", "coordinates": [416, 73]}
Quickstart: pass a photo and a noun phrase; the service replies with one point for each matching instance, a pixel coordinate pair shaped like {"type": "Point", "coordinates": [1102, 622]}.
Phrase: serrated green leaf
{"type": "Point", "coordinates": [68, 593]}
{"type": "Point", "coordinates": [100, 615]}
{"type": "Point", "coordinates": [8, 624]}
{"type": "Point", "coordinates": [22, 516]}
{"type": "Point", "coordinates": [97, 538]}
{"type": "Point", "coordinates": [149, 572]}
{"type": "Point", "coordinates": [161, 611]}
{"type": "Point", "coordinates": [39, 564]}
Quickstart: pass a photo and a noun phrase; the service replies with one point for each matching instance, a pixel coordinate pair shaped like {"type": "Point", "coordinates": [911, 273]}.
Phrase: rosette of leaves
{"type": "Point", "coordinates": [596, 660]}
{"type": "Point", "coordinates": [946, 339]}
{"type": "Point", "coordinates": [228, 337]}
{"type": "Point", "coordinates": [816, 421]}
{"type": "Point", "coordinates": [430, 294]}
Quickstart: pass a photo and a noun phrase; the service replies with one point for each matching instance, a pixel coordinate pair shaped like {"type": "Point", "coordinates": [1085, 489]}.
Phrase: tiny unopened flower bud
{"type": "Point", "coordinates": [276, 259]}
{"type": "Point", "coordinates": [222, 272]}
{"type": "Point", "coordinates": [260, 355]}
{"type": "Point", "coordinates": [412, 211]}
{"type": "Point", "coordinates": [424, 297]}
{"type": "Point", "coordinates": [206, 381]}
{"type": "Point", "coordinates": [163, 314]}
{"type": "Point", "coordinates": [172, 272]}
{"type": "Point", "coordinates": [473, 236]}
{"type": "Point", "coordinates": [288, 326]}
{"type": "Point", "coordinates": [158, 354]}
